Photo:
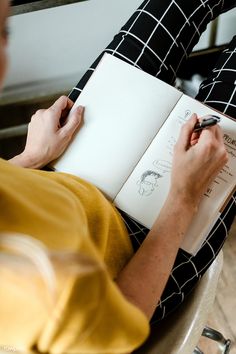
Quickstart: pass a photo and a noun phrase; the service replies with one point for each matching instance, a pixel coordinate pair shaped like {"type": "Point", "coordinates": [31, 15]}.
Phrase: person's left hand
{"type": "Point", "coordinates": [49, 133]}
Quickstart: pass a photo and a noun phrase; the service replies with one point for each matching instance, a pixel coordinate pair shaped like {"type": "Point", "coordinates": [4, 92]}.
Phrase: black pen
{"type": "Point", "coordinates": [206, 122]}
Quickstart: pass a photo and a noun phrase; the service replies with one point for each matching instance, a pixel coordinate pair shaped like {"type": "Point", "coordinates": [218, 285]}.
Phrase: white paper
{"type": "Point", "coordinates": [145, 192]}
{"type": "Point", "coordinates": [123, 111]}
{"type": "Point", "coordinates": [131, 115]}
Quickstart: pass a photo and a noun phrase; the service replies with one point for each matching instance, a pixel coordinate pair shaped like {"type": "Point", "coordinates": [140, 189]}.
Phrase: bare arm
{"type": "Point", "coordinates": [143, 280]}
{"type": "Point", "coordinates": [195, 164]}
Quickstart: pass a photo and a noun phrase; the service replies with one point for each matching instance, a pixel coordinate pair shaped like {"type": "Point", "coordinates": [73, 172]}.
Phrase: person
{"type": "Point", "coordinates": [137, 278]}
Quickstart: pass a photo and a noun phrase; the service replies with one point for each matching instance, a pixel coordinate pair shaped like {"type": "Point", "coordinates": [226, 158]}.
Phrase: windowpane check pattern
{"type": "Point", "coordinates": [158, 38]}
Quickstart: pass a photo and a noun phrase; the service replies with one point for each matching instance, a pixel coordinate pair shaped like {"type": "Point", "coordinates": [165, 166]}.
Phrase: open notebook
{"type": "Point", "coordinates": [132, 122]}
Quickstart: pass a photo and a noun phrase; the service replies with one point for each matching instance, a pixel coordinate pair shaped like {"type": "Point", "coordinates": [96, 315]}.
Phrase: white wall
{"type": "Point", "coordinates": [61, 42]}
{"type": "Point", "coordinates": [226, 27]}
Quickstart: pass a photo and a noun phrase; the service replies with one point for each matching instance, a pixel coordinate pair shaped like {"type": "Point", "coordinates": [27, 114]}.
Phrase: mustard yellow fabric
{"type": "Point", "coordinates": [90, 314]}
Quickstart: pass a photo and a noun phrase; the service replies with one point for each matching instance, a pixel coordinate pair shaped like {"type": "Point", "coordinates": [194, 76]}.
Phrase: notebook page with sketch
{"type": "Point", "coordinates": [145, 191]}
{"type": "Point", "coordinates": [124, 109]}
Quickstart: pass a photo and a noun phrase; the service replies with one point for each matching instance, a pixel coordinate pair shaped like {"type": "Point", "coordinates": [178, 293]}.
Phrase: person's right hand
{"type": "Point", "coordinates": [195, 165]}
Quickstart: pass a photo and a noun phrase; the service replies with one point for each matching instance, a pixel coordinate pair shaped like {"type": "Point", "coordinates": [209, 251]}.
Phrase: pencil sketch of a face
{"type": "Point", "coordinates": [148, 182]}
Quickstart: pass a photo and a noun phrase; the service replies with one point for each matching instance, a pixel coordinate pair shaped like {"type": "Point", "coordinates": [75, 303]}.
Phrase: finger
{"type": "Point", "coordinates": [70, 103]}
{"type": "Point", "coordinates": [195, 137]}
{"type": "Point", "coordinates": [39, 112]}
{"type": "Point", "coordinates": [74, 120]}
{"type": "Point", "coordinates": [59, 111]}
{"type": "Point", "coordinates": [211, 142]}
{"type": "Point", "coordinates": [207, 134]}
{"type": "Point", "coordinates": [186, 133]}
{"type": "Point", "coordinates": [59, 105]}
{"type": "Point", "coordinates": [65, 112]}
{"type": "Point", "coordinates": [219, 134]}
{"type": "Point", "coordinates": [193, 141]}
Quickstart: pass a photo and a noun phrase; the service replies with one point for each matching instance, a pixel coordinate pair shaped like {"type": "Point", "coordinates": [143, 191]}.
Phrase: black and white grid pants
{"type": "Point", "coordinates": [158, 38]}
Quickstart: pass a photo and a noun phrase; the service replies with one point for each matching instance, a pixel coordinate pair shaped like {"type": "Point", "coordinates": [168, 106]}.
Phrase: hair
{"type": "Point", "coordinates": [150, 173]}
{"type": "Point", "coordinates": [29, 257]}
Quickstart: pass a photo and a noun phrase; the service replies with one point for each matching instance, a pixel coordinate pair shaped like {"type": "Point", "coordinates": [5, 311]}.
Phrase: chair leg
{"type": "Point", "coordinates": [224, 344]}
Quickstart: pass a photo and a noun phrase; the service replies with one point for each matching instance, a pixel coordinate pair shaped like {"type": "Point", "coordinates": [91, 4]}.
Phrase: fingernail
{"type": "Point", "coordinates": [80, 109]}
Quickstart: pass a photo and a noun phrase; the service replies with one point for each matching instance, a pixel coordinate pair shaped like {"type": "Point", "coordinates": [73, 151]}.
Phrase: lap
{"type": "Point", "coordinates": [158, 38]}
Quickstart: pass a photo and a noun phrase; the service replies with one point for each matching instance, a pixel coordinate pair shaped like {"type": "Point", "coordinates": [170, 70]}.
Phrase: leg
{"type": "Point", "coordinates": [160, 35]}
{"type": "Point", "coordinates": [158, 38]}
{"type": "Point", "coordinates": [218, 91]}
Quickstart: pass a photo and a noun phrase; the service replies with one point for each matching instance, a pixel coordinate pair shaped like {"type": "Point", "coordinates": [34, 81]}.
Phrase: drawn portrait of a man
{"type": "Point", "coordinates": [148, 182]}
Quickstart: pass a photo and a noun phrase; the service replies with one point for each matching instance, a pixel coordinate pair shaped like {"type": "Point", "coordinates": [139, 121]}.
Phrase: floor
{"type": "Point", "coordinates": [223, 315]}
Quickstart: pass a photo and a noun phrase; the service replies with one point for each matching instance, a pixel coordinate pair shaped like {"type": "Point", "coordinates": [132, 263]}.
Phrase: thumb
{"type": "Point", "coordinates": [74, 120]}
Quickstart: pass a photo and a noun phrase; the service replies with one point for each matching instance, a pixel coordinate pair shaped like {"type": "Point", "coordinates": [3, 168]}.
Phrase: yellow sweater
{"type": "Point", "coordinates": [90, 315]}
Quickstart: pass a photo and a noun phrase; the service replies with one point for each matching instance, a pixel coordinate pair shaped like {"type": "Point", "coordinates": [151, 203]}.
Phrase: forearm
{"type": "Point", "coordinates": [22, 160]}
{"type": "Point", "coordinates": [194, 167]}
{"type": "Point", "coordinates": [144, 278]}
